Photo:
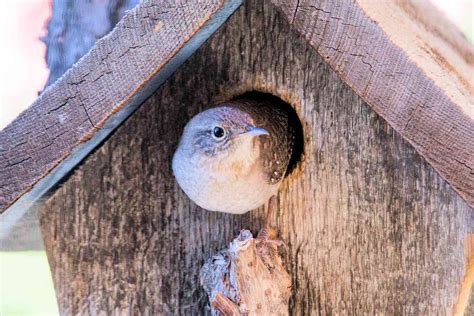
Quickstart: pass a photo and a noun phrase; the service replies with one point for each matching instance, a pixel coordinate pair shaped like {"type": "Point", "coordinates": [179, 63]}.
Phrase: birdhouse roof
{"type": "Point", "coordinates": [410, 64]}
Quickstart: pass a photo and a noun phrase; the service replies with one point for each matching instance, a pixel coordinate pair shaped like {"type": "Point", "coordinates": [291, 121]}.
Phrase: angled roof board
{"type": "Point", "coordinates": [410, 64]}
{"type": "Point", "coordinates": [74, 115]}
{"type": "Point", "coordinates": [424, 93]}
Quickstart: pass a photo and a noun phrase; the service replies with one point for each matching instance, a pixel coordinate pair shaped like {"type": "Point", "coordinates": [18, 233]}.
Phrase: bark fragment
{"type": "Point", "coordinates": [244, 280]}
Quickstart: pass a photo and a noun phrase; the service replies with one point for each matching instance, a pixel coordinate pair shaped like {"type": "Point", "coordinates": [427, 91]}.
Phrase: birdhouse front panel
{"type": "Point", "coordinates": [369, 226]}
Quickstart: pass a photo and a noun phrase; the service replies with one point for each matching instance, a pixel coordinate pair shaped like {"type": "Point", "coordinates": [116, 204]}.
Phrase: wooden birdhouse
{"type": "Point", "coordinates": [376, 213]}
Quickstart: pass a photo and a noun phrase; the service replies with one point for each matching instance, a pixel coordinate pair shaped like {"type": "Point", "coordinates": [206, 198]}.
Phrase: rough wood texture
{"type": "Point", "coordinates": [224, 305]}
{"type": "Point", "coordinates": [75, 26]}
{"type": "Point", "coordinates": [470, 307]}
{"type": "Point", "coordinates": [467, 283]}
{"type": "Point", "coordinates": [400, 63]}
{"type": "Point", "coordinates": [247, 279]}
{"type": "Point", "coordinates": [371, 228]}
{"type": "Point", "coordinates": [103, 82]}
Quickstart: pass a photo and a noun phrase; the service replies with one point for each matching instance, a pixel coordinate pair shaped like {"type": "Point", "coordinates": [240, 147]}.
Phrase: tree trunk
{"type": "Point", "coordinates": [75, 26]}
{"type": "Point", "coordinates": [371, 228]}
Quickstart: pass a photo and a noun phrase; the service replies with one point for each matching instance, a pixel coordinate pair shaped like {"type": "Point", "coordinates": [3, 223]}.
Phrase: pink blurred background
{"type": "Point", "coordinates": [22, 63]}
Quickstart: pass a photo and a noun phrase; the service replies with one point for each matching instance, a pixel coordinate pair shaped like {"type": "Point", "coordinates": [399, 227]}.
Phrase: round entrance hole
{"type": "Point", "coordinates": [294, 124]}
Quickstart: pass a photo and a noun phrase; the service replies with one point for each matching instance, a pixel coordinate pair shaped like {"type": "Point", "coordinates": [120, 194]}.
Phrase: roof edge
{"type": "Point", "coordinates": [15, 212]}
{"type": "Point", "coordinates": [404, 70]}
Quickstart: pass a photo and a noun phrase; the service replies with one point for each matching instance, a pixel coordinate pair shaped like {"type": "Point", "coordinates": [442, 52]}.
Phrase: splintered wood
{"type": "Point", "coordinates": [244, 280]}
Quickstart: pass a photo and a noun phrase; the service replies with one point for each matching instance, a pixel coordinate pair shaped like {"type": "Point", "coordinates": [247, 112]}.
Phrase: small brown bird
{"type": "Point", "coordinates": [232, 158]}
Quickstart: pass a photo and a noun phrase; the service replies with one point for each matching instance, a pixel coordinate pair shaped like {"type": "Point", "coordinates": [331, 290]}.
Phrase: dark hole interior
{"type": "Point", "coordinates": [294, 122]}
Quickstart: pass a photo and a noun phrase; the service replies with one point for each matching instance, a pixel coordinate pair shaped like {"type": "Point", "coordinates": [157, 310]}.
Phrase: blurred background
{"type": "Point", "coordinates": [26, 287]}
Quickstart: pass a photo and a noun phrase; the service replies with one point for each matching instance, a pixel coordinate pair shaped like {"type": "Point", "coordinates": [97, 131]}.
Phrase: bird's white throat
{"type": "Point", "coordinates": [231, 182]}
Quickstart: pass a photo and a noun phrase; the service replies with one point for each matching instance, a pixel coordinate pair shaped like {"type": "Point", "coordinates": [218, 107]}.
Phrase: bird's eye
{"type": "Point", "coordinates": [218, 132]}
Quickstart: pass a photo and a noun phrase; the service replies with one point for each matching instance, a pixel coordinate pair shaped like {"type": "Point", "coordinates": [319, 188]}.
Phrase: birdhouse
{"type": "Point", "coordinates": [376, 211]}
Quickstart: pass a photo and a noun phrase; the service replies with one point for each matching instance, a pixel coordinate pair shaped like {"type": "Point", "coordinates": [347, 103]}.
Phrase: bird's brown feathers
{"type": "Point", "coordinates": [276, 149]}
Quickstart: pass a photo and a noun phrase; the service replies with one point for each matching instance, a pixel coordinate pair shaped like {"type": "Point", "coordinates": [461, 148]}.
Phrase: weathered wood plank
{"type": "Point", "coordinates": [117, 74]}
{"type": "Point", "coordinates": [370, 226]}
{"type": "Point", "coordinates": [418, 78]}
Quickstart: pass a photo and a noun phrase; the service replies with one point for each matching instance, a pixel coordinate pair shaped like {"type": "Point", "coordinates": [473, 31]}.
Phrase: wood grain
{"type": "Point", "coordinates": [466, 289]}
{"type": "Point", "coordinates": [247, 278]}
{"type": "Point", "coordinates": [119, 68]}
{"type": "Point", "coordinates": [391, 54]}
{"type": "Point", "coordinates": [371, 227]}
{"type": "Point", "coordinates": [225, 306]}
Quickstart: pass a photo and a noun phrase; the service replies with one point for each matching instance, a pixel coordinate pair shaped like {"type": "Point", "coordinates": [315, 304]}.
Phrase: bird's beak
{"type": "Point", "coordinates": [256, 131]}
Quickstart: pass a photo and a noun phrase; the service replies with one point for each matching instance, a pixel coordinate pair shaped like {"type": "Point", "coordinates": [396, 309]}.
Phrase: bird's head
{"type": "Point", "coordinates": [219, 132]}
